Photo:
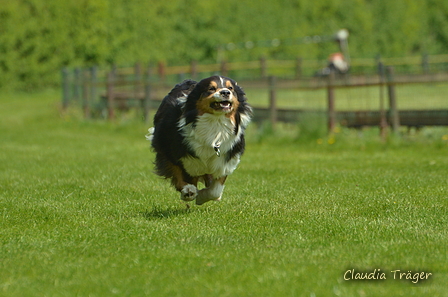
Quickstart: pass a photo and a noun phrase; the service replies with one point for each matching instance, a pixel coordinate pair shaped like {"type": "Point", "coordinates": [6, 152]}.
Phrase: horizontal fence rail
{"type": "Point", "coordinates": [102, 92]}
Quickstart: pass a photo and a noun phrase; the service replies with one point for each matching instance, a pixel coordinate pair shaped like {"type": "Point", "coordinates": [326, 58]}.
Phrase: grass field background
{"type": "Point", "coordinates": [82, 214]}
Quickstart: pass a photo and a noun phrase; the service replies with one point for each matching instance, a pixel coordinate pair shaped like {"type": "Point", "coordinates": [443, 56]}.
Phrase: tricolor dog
{"type": "Point", "coordinates": [198, 136]}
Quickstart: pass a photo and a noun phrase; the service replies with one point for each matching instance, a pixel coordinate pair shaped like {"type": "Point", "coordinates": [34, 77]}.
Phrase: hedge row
{"type": "Point", "coordinates": [38, 37]}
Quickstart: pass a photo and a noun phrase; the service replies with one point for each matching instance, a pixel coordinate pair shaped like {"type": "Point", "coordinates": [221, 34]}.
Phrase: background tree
{"type": "Point", "coordinates": [38, 37]}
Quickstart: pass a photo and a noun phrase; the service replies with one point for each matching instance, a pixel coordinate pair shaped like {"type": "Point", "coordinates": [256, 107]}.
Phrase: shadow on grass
{"type": "Point", "coordinates": [159, 213]}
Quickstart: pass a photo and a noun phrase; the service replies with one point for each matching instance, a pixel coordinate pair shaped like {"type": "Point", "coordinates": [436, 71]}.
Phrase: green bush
{"type": "Point", "coordinates": [38, 37]}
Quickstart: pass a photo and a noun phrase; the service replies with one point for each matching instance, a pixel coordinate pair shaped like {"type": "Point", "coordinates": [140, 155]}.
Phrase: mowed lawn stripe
{"type": "Point", "coordinates": [83, 214]}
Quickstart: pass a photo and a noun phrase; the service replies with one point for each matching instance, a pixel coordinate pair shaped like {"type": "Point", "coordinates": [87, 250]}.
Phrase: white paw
{"type": "Point", "coordinates": [204, 195]}
{"type": "Point", "coordinates": [188, 193]}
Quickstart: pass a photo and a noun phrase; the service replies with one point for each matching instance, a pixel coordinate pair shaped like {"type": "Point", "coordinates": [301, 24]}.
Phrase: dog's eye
{"type": "Point", "coordinates": [212, 89]}
{"type": "Point", "coordinates": [230, 88]}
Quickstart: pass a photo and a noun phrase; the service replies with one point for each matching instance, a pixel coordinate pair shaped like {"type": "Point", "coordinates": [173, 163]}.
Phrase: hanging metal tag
{"type": "Point", "coordinates": [216, 148]}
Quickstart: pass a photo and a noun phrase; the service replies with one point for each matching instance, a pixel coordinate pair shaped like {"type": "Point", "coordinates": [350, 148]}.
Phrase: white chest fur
{"type": "Point", "coordinates": [210, 131]}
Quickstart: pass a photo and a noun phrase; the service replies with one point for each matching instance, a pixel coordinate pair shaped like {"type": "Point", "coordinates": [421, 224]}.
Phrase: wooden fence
{"type": "Point", "coordinates": [388, 115]}
{"type": "Point", "coordinates": [124, 88]}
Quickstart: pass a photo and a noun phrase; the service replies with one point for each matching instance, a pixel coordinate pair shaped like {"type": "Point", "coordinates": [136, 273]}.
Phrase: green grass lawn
{"type": "Point", "coordinates": [82, 214]}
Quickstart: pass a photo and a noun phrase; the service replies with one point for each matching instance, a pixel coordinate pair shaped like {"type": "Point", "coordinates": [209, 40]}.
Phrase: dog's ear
{"type": "Point", "coordinates": [195, 92]}
{"type": "Point", "coordinates": [193, 96]}
{"type": "Point", "coordinates": [182, 89]}
{"type": "Point", "coordinates": [239, 92]}
{"type": "Point", "coordinates": [244, 107]}
{"type": "Point", "coordinates": [188, 86]}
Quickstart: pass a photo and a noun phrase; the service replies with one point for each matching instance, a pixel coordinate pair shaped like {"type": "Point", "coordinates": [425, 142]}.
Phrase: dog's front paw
{"type": "Point", "coordinates": [204, 196]}
{"type": "Point", "coordinates": [188, 193]}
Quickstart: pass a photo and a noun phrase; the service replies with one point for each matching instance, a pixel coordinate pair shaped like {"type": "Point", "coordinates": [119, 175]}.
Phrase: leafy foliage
{"type": "Point", "coordinates": [38, 37]}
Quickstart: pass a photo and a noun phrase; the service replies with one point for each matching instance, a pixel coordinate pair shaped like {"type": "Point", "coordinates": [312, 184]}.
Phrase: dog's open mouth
{"type": "Point", "coordinates": [224, 105]}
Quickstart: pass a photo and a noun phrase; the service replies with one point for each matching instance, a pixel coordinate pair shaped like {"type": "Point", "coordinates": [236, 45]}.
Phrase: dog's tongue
{"type": "Point", "coordinates": [225, 104]}
{"type": "Point", "coordinates": [222, 105]}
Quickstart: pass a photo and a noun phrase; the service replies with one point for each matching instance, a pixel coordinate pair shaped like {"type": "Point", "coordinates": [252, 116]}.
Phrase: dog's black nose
{"type": "Point", "coordinates": [224, 93]}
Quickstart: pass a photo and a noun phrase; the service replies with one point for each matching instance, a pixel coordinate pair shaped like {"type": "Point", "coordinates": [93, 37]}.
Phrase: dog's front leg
{"type": "Point", "coordinates": [187, 186]}
{"type": "Point", "coordinates": [212, 192]}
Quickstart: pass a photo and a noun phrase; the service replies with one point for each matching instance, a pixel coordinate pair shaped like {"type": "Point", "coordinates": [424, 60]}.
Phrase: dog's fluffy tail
{"type": "Point", "coordinates": [150, 135]}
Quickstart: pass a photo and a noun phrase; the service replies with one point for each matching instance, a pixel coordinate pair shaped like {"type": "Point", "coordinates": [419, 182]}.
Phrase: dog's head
{"type": "Point", "coordinates": [216, 95]}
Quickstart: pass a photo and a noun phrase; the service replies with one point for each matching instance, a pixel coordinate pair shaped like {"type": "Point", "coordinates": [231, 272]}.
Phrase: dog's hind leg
{"type": "Point", "coordinates": [212, 192]}
{"type": "Point", "coordinates": [208, 180]}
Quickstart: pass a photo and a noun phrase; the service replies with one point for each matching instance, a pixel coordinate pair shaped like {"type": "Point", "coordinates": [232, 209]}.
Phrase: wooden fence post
{"type": "Point", "coordinates": [110, 95]}
{"type": "Point", "coordinates": [65, 88]}
{"type": "Point", "coordinates": [224, 68]}
{"type": "Point", "coordinates": [161, 71]}
{"type": "Point", "coordinates": [93, 83]}
{"type": "Point", "coordinates": [85, 94]}
{"type": "Point", "coordinates": [147, 99]}
{"type": "Point", "coordinates": [393, 110]}
{"type": "Point", "coordinates": [383, 118]}
{"type": "Point", "coordinates": [425, 63]}
{"type": "Point", "coordinates": [263, 67]}
{"type": "Point", "coordinates": [273, 100]}
{"type": "Point", "coordinates": [181, 76]}
{"type": "Point", "coordinates": [194, 69]}
{"type": "Point", "coordinates": [330, 103]}
{"type": "Point", "coordinates": [77, 86]}
{"type": "Point", "coordinates": [137, 80]}
{"type": "Point", "coordinates": [298, 68]}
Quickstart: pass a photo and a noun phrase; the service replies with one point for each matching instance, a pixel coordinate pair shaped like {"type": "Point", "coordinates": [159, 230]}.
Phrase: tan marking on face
{"type": "Point", "coordinates": [235, 102]}
{"type": "Point", "coordinates": [214, 84]}
{"type": "Point", "coordinates": [207, 98]}
{"type": "Point", "coordinates": [203, 104]}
